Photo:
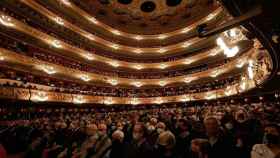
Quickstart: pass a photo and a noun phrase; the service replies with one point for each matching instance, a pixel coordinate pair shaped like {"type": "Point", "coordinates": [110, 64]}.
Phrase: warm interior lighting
{"type": "Point", "coordinates": [115, 46]}
{"type": "Point", "coordinates": [1, 58]}
{"type": "Point", "coordinates": [185, 30]}
{"type": "Point", "coordinates": [108, 101]}
{"type": "Point", "coordinates": [240, 63]}
{"type": "Point", "coordinates": [186, 44]}
{"type": "Point", "coordinates": [78, 99]}
{"type": "Point", "coordinates": [48, 69]}
{"type": "Point", "coordinates": [187, 61]}
{"type": "Point", "coordinates": [162, 83]}
{"type": "Point", "coordinates": [229, 52]}
{"type": "Point", "coordinates": [94, 20]}
{"type": "Point", "coordinates": [138, 51]}
{"type": "Point", "coordinates": [228, 91]}
{"type": "Point", "coordinates": [189, 79]}
{"type": "Point", "coordinates": [89, 56]}
{"type": "Point", "coordinates": [210, 96]}
{"type": "Point", "coordinates": [185, 98]}
{"type": "Point", "coordinates": [158, 101]}
{"type": "Point", "coordinates": [56, 44]}
{"type": "Point", "coordinates": [6, 21]}
{"type": "Point", "coordinates": [113, 82]}
{"type": "Point", "coordinates": [85, 77]}
{"type": "Point", "coordinates": [162, 36]}
{"type": "Point", "coordinates": [138, 37]}
{"type": "Point", "coordinates": [66, 2]}
{"type": "Point", "coordinates": [41, 96]}
{"type": "Point", "coordinates": [215, 73]}
{"type": "Point", "coordinates": [211, 16]}
{"type": "Point", "coordinates": [163, 66]}
{"type": "Point", "coordinates": [90, 36]}
{"type": "Point", "coordinates": [250, 69]}
{"type": "Point", "coordinates": [138, 67]}
{"type": "Point", "coordinates": [59, 20]}
{"type": "Point", "coordinates": [114, 63]}
{"type": "Point", "coordinates": [137, 84]}
{"type": "Point", "coordinates": [243, 84]}
{"type": "Point", "coordinates": [116, 32]}
{"type": "Point", "coordinates": [135, 101]}
{"type": "Point", "coordinates": [162, 50]}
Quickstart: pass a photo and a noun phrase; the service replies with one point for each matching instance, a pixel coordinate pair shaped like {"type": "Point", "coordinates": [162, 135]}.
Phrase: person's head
{"type": "Point", "coordinates": [153, 121]}
{"type": "Point", "coordinates": [102, 129]}
{"type": "Point", "coordinates": [166, 140]}
{"type": "Point", "coordinates": [211, 126]}
{"type": "Point", "coordinates": [118, 136]}
{"type": "Point", "coordinates": [200, 147]}
{"type": "Point", "coordinates": [184, 125]}
{"type": "Point", "coordinates": [161, 127]}
{"type": "Point", "coordinates": [241, 116]}
{"type": "Point", "coordinates": [138, 131]}
{"type": "Point", "coordinates": [272, 134]}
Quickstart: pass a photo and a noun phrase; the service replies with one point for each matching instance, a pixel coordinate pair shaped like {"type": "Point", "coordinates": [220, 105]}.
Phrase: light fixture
{"type": "Point", "coordinates": [162, 83]}
{"type": "Point", "coordinates": [1, 58]}
{"type": "Point", "coordinates": [78, 99]}
{"type": "Point", "coordinates": [66, 2]}
{"type": "Point", "coordinates": [93, 20]}
{"type": "Point", "coordinates": [114, 63]}
{"type": "Point", "coordinates": [185, 30]}
{"type": "Point", "coordinates": [186, 44]}
{"type": "Point", "coordinates": [116, 32]}
{"type": "Point", "coordinates": [138, 51]}
{"type": "Point", "coordinates": [189, 79]}
{"type": "Point", "coordinates": [138, 37]}
{"type": "Point", "coordinates": [137, 84]}
{"type": "Point", "coordinates": [163, 66]}
{"type": "Point", "coordinates": [187, 61]}
{"type": "Point", "coordinates": [59, 20]}
{"type": "Point", "coordinates": [6, 21]}
{"type": "Point", "coordinates": [215, 73]}
{"type": "Point", "coordinates": [41, 96]}
{"type": "Point", "coordinates": [162, 50]}
{"type": "Point", "coordinates": [158, 101]}
{"type": "Point", "coordinates": [229, 52]}
{"type": "Point", "coordinates": [250, 69]}
{"type": "Point", "coordinates": [162, 36]}
{"type": "Point", "coordinates": [113, 82]}
{"type": "Point", "coordinates": [108, 101]}
{"type": "Point", "coordinates": [56, 44]}
{"type": "Point", "coordinates": [115, 46]}
{"type": "Point", "coordinates": [48, 69]}
{"type": "Point", "coordinates": [89, 56]}
{"type": "Point", "coordinates": [185, 98]}
{"type": "Point", "coordinates": [135, 101]}
{"type": "Point", "coordinates": [138, 67]}
{"type": "Point", "coordinates": [85, 77]}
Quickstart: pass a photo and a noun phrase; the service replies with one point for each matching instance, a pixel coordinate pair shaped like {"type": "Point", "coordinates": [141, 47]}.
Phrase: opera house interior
{"type": "Point", "coordinates": [139, 79]}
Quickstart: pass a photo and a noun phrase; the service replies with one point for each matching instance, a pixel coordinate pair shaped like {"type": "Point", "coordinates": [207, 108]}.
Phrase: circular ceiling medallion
{"type": "Point", "coordinates": [125, 1]}
{"type": "Point", "coordinates": [148, 6]}
{"type": "Point", "coordinates": [173, 3]}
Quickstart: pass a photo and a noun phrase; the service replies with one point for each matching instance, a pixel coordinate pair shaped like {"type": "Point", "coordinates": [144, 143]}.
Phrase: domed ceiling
{"type": "Point", "coordinates": [124, 52]}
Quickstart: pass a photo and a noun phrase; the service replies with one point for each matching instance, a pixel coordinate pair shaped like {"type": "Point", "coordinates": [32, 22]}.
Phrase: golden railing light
{"type": "Point", "coordinates": [93, 20]}
{"type": "Point", "coordinates": [138, 51]}
{"type": "Point", "coordinates": [210, 96]}
{"type": "Point", "coordinates": [162, 50]}
{"type": "Point", "coordinates": [113, 82]}
{"type": "Point", "coordinates": [6, 21]}
{"type": "Point", "coordinates": [78, 99]}
{"type": "Point", "coordinates": [215, 73]}
{"type": "Point", "coordinates": [250, 69]}
{"type": "Point", "coordinates": [158, 100]}
{"type": "Point", "coordinates": [59, 20]}
{"type": "Point", "coordinates": [66, 2]}
{"type": "Point", "coordinates": [85, 78]}
{"type": "Point", "coordinates": [186, 44]}
{"type": "Point", "coordinates": [189, 79]}
{"type": "Point", "coordinates": [138, 38]}
{"type": "Point", "coordinates": [48, 69]}
{"type": "Point", "coordinates": [116, 32]}
{"type": "Point", "coordinates": [162, 36]}
{"type": "Point", "coordinates": [137, 84]}
{"type": "Point", "coordinates": [185, 30]}
{"type": "Point", "coordinates": [108, 101]}
{"type": "Point", "coordinates": [2, 57]}
{"type": "Point", "coordinates": [56, 44]}
{"type": "Point", "coordinates": [138, 67]}
{"type": "Point", "coordinates": [228, 91]}
{"type": "Point", "coordinates": [187, 61]}
{"type": "Point", "coordinates": [114, 63]}
{"type": "Point", "coordinates": [135, 101]}
{"type": "Point", "coordinates": [115, 46]}
{"type": "Point", "coordinates": [163, 66]}
{"type": "Point", "coordinates": [185, 98]}
{"type": "Point", "coordinates": [40, 96]}
{"type": "Point", "coordinates": [229, 52]}
{"type": "Point", "coordinates": [162, 83]}
{"type": "Point", "coordinates": [89, 56]}
{"type": "Point", "coordinates": [90, 36]}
